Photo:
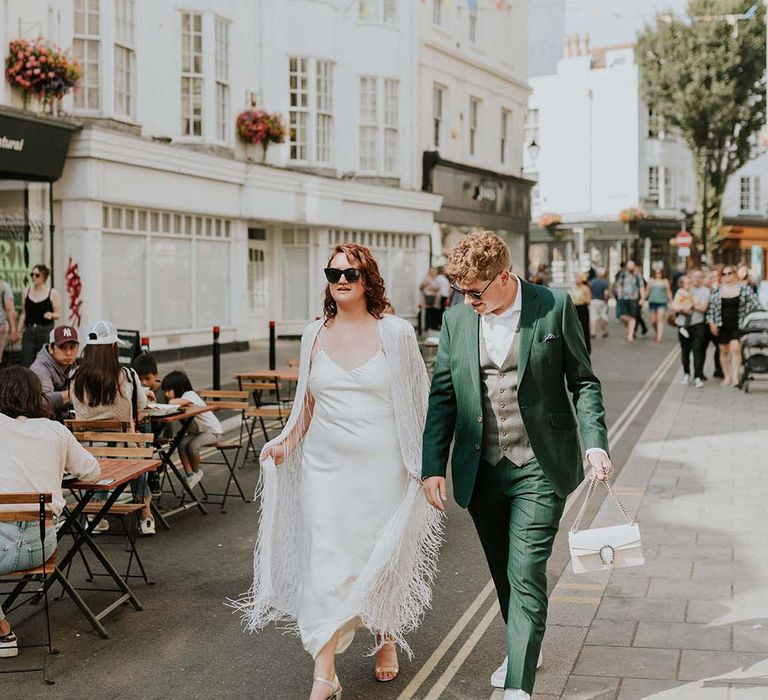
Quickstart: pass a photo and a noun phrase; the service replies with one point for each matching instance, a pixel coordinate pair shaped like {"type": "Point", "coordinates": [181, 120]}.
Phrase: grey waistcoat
{"type": "Point", "coordinates": [503, 430]}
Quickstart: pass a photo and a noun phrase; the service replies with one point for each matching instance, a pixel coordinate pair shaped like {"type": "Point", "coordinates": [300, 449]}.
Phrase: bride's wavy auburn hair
{"type": "Point", "coordinates": [371, 279]}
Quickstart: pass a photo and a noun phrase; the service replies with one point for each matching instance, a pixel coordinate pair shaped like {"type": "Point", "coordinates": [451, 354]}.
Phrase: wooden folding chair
{"type": "Point", "coordinates": [228, 401]}
{"type": "Point", "coordinates": [268, 415]}
{"type": "Point", "coordinates": [37, 509]}
{"type": "Point", "coordinates": [105, 439]}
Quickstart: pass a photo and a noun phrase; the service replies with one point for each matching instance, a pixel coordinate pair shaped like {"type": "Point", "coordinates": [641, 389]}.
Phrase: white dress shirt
{"type": "Point", "coordinates": [498, 331]}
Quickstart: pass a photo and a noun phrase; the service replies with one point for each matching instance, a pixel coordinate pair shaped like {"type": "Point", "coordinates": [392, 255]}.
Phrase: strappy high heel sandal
{"type": "Point", "coordinates": [335, 687]}
{"type": "Point", "coordinates": [381, 670]}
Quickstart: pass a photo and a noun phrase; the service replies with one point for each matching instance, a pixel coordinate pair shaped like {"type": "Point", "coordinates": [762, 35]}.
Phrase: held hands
{"type": "Point", "coordinates": [276, 452]}
{"type": "Point", "coordinates": [714, 329]}
{"type": "Point", "coordinates": [602, 469]}
{"type": "Point", "coordinates": [435, 491]}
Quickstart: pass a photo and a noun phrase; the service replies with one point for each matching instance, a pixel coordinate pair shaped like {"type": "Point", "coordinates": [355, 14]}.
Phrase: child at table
{"type": "Point", "coordinates": [205, 428]}
{"type": "Point", "coordinates": [145, 366]}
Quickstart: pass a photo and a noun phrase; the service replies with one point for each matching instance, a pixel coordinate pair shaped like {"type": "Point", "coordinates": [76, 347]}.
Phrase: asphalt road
{"type": "Point", "coordinates": [187, 644]}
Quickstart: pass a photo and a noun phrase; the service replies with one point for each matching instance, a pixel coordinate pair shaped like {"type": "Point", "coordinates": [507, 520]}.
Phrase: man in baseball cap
{"type": "Point", "coordinates": [54, 364]}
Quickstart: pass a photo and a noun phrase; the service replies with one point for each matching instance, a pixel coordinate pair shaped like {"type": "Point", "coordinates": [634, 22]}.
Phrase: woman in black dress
{"type": "Point", "coordinates": [728, 306]}
{"type": "Point", "coordinates": [40, 307]}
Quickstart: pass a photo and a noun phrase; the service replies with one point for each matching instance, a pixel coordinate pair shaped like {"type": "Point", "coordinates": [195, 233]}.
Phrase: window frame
{"type": "Point", "coordinates": [192, 77]}
{"type": "Point", "coordinates": [88, 40]}
{"type": "Point", "coordinates": [653, 172]}
{"type": "Point", "coordinates": [473, 124]}
{"type": "Point", "coordinates": [745, 194]}
{"type": "Point", "coordinates": [531, 131]}
{"type": "Point", "coordinates": [473, 17]}
{"type": "Point", "coordinates": [439, 94]}
{"type": "Point", "coordinates": [125, 69]}
{"type": "Point", "coordinates": [221, 76]}
{"type": "Point", "coordinates": [506, 119]}
{"type": "Point", "coordinates": [312, 113]}
{"type": "Point", "coordinates": [438, 15]}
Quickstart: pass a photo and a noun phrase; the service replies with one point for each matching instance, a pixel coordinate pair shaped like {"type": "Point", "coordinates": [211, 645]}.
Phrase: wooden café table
{"type": "Point", "coordinates": [116, 474]}
{"type": "Point", "coordinates": [159, 422]}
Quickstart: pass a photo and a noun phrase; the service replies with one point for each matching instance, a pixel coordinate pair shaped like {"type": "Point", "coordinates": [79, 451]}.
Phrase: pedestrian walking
{"type": "Point", "coordinates": [658, 295]}
{"type": "Point", "coordinates": [430, 292]}
{"type": "Point", "coordinates": [713, 278]}
{"type": "Point", "coordinates": [728, 306]}
{"type": "Point", "coordinates": [40, 307]}
{"type": "Point", "coordinates": [598, 306]}
{"type": "Point", "coordinates": [346, 538]}
{"type": "Point", "coordinates": [629, 286]}
{"type": "Point", "coordinates": [445, 291]}
{"type": "Point", "coordinates": [682, 305]}
{"type": "Point", "coordinates": [7, 317]}
{"type": "Point", "coordinates": [697, 327]}
{"type": "Point", "coordinates": [516, 453]}
{"type": "Point", "coordinates": [581, 296]}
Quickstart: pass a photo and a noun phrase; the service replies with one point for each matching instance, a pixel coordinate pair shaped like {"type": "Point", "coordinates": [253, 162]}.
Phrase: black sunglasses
{"type": "Point", "coordinates": [477, 296]}
{"type": "Point", "coordinates": [351, 274]}
{"type": "Point", "coordinates": [34, 274]}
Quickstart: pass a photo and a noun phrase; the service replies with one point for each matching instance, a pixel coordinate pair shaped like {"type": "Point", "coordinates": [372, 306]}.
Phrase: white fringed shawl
{"type": "Point", "coordinates": [395, 585]}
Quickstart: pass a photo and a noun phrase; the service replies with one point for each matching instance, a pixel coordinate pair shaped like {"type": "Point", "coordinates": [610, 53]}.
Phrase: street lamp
{"type": "Point", "coordinates": [533, 151]}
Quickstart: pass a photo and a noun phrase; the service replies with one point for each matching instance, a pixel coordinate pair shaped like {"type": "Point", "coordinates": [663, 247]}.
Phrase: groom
{"type": "Point", "coordinates": [499, 391]}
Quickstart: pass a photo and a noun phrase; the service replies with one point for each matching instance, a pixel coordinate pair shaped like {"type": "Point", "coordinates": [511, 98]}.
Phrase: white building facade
{"type": "Point", "coordinates": [601, 156]}
{"type": "Point", "coordinates": [472, 103]}
{"type": "Point", "coordinates": [171, 223]}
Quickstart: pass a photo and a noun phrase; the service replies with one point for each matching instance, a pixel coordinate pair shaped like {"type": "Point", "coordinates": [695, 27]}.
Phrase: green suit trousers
{"type": "Point", "coordinates": [516, 514]}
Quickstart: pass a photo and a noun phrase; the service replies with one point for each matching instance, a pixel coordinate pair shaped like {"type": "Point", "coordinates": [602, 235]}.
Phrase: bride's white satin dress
{"type": "Point", "coordinates": [353, 481]}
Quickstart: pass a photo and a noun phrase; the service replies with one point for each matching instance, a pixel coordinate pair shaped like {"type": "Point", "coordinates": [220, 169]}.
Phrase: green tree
{"type": "Point", "coordinates": [705, 76]}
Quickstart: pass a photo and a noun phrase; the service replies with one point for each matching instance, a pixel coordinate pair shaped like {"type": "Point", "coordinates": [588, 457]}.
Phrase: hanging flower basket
{"type": "Point", "coordinates": [549, 220]}
{"type": "Point", "coordinates": [257, 126]}
{"type": "Point", "coordinates": [632, 214]}
{"type": "Point", "coordinates": [40, 70]}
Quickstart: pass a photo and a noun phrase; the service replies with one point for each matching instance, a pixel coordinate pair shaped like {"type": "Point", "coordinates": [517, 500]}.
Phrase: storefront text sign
{"type": "Point", "coordinates": [11, 144]}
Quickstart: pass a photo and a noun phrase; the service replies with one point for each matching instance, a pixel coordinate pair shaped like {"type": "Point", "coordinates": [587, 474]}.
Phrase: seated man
{"type": "Point", "coordinates": [53, 366]}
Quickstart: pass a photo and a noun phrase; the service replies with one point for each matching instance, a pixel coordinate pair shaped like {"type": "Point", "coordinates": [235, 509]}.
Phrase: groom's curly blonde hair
{"type": "Point", "coordinates": [481, 255]}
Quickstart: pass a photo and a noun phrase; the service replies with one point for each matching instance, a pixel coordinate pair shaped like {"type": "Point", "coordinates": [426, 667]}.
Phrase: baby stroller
{"type": "Point", "coordinates": [754, 347]}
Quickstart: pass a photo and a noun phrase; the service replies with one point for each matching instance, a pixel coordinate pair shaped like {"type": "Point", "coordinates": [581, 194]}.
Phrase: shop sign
{"type": "Point", "coordinates": [32, 150]}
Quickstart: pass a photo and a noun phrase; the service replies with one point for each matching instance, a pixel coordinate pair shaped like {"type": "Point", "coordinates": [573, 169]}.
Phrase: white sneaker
{"type": "Point", "coordinates": [516, 694]}
{"type": "Point", "coordinates": [103, 525]}
{"type": "Point", "coordinates": [500, 674]}
{"type": "Point", "coordinates": [686, 380]}
{"type": "Point", "coordinates": [147, 527]}
{"type": "Point", "coordinates": [9, 646]}
{"type": "Point", "coordinates": [194, 478]}
{"type": "Point", "coordinates": [698, 383]}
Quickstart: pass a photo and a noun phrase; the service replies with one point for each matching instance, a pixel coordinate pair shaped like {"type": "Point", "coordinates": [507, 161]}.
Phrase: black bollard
{"type": "Point", "coordinates": [419, 325]}
{"type": "Point", "coordinates": [216, 359]}
{"type": "Point", "coordinates": [272, 360]}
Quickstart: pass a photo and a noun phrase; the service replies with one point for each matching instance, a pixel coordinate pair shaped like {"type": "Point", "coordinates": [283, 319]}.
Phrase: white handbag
{"type": "Point", "coordinates": [603, 548]}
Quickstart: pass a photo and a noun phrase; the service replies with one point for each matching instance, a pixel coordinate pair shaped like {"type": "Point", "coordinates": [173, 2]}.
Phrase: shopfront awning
{"type": "Point", "coordinates": [32, 148]}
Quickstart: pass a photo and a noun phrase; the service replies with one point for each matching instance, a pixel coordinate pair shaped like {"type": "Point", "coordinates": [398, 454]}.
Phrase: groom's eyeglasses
{"type": "Point", "coordinates": [351, 274]}
{"type": "Point", "coordinates": [477, 296]}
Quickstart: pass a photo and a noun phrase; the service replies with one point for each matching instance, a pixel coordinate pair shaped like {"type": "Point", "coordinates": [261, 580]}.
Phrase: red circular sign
{"type": "Point", "coordinates": [683, 239]}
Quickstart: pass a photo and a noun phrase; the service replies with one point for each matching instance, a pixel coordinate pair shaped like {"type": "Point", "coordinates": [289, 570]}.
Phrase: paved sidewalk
{"type": "Point", "coordinates": [693, 621]}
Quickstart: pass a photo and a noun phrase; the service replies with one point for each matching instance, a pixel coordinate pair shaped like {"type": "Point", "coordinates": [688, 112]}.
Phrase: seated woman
{"type": "Point", "coordinates": [36, 453]}
{"type": "Point", "coordinates": [103, 390]}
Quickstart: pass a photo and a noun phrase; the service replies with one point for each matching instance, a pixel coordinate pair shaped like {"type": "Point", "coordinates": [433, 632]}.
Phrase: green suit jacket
{"type": "Point", "coordinates": [553, 355]}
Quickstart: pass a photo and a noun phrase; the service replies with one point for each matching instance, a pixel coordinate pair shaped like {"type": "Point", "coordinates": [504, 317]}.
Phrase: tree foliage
{"type": "Point", "coordinates": [706, 77]}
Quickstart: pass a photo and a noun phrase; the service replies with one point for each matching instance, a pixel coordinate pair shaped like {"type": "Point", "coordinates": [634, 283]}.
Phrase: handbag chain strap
{"type": "Point", "coordinates": [592, 485]}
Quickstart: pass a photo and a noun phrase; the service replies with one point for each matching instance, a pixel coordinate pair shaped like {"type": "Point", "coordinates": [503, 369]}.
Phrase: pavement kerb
{"type": "Point", "coordinates": [575, 599]}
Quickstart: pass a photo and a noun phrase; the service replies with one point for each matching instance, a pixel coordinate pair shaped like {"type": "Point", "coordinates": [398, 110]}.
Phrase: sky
{"type": "Point", "coordinates": [608, 22]}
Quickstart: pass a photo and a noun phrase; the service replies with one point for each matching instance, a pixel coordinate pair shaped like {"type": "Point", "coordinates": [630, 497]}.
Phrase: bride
{"type": "Point", "coordinates": [346, 538]}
